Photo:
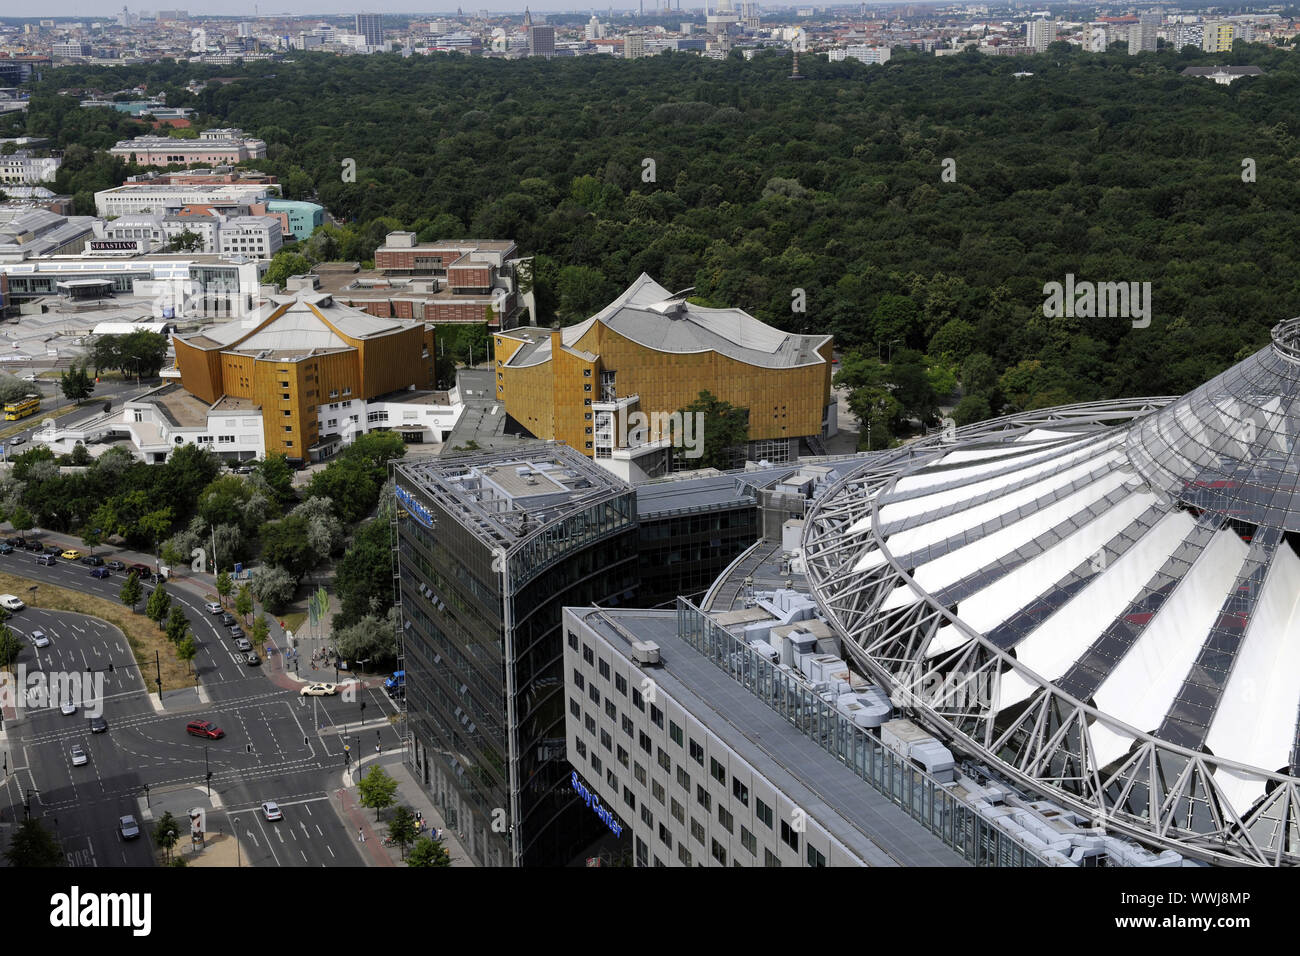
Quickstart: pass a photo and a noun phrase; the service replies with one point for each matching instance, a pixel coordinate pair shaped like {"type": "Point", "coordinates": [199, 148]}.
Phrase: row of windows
{"type": "Point", "coordinates": [717, 770]}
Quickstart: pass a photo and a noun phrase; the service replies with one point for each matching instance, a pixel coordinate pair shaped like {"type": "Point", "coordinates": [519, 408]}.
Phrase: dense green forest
{"type": "Point", "coordinates": [1109, 167]}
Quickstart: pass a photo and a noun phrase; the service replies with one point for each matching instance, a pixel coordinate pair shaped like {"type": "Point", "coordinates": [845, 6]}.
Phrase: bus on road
{"type": "Point", "coordinates": [29, 405]}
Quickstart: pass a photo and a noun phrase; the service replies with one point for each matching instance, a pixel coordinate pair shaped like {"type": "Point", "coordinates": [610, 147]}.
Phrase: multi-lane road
{"type": "Point", "coordinates": [277, 746]}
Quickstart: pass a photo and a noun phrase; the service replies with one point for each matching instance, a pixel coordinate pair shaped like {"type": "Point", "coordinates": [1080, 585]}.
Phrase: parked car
{"type": "Point", "coordinates": [10, 602]}
{"type": "Point", "coordinates": [319, 690]}
{"type": "Point", "coordinates": [70, 554]}
{"type": "Point", "coordinates": [53, 550]}
{"type": "Point", "coordinates": [16, 542]}
{"type": "Point", "coordinates": [18, 440]}
{"type": "Point", "coordinates": [143, 570]}
{"type": "Point", "coordinates": [242, 644]}
{"type": "Point", "coordinates": [251, 659]}
{"type": "Point", "coordinates": [236, 631]}
{"type": "Point", "coordinates": [78, 754]}
{"type": "Point", "coordinates": [204, 728]}
{"type": "Point", "coordinates": [115, 565]}
{"type": "Point", "coordinates": [213, 607]}
{"type": "Point", "coordinates": [93, 560]}
{"type": "Point", "coordinates": [98, 725]}
{"type": "Point", "coordinates": [6, 548]}
{"type": "Point", "coordinates": [100, 573]}
{"type": "Point", "coordinates": [271, 810]}
{"type": "Point", "coordinates": [39, 639]}
{"type": "Point", "coordinates": [34, 545]}
{"type": "Point", "coordinates": [129, 829]}
{"type": "Point", "coordinates": [228, 619]}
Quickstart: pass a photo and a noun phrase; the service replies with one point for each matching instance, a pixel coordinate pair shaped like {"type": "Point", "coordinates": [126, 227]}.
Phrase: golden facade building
{"type": "Point", "coordinates": [307, 361]}
{"type": "Point", "coordinates": [611, 386]}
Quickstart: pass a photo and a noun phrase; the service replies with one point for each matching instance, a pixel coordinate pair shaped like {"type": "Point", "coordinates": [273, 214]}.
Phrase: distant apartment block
{"type": "Point", "coordinates": [370, 26]}
{"type": "Point", "coordinates": [863, 54]}
{"type": "Point", "coordinates": [72, 48]}
{"type": "Point", "coordinates": [541, 40]}
{"type": "Point", "coordinates": [212, 146]}
{"type": "Point", "coordinates": [1218, 36]}
{"type": "Point", "coordinates": [634, 46]}
{"type": "Point", "coordinates": [23, 168]}
{"type": "Point", "coordinates": [1142, 36]}
{"type": "Point", "coordinates": [1039, 34]}
{"type": "Point", "coordinates": [1094, 37]}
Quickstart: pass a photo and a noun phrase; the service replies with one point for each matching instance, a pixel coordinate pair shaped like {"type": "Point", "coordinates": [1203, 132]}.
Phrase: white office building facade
{"type": "Point", "coordinates": [662, 777]}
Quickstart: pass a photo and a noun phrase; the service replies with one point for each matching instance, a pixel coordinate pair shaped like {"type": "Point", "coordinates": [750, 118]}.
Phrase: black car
{"type": "Point", "coordinates": [115, 566]}
{"type": "Point", "coordinates": [93, 560]}
{"type": "Point", "coordinates": [53, 549]}
{"type": "Point", "coordinates": [98, 725]}
{"type": "Point", "coordinates": [34, 545]}
{"type": "Point", "coordinates": [228, 619]}
{"type": "Point", "coordinates": [16, 542]}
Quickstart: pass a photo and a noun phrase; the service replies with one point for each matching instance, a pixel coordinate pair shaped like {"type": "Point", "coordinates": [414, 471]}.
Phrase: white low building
{"type": "Point", "coordinates": [160, 421]}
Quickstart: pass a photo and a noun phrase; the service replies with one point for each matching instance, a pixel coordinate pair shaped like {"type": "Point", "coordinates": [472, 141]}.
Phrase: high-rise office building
{"type": "Point", "coordinates": [490, 548]}
{"type": "Point", "coordinates": [541, 40]}
{"type": "Point", "coordinates": [1218, 36]}
{"type": "Point", "coordinates": [370, 26]}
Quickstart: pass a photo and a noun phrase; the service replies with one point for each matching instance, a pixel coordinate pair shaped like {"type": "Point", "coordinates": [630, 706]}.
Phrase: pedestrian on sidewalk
{"type": "Point", "coordinates": [361, 834]}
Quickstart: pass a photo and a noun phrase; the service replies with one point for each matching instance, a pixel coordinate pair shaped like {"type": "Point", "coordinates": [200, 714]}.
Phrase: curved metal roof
{"type": "Point", "coordinates": [1103, 599]}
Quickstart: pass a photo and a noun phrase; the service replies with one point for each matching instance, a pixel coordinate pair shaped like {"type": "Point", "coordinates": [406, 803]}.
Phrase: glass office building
{"type": "Point", "coordinates": [490, 548]}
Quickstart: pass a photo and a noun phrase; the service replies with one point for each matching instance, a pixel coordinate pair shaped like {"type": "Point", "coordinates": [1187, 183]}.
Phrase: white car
{"type": "Point", "coordinates": [319, 690]}
{"type": "Point", "coordinates": [79, 757]}
{"type": "Point", "coordinates": [271, 810]}
{"type": "Point", "coordinates": [10, 602]}
{"type": "Point", "coordinates": [213, 607]}
{"type": "Point", "coordinates": [68, 708]}
{"type": "Point", "coordinates": [39, 639]}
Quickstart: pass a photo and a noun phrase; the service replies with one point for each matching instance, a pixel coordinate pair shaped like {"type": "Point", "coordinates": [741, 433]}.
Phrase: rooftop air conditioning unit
{"type": "Point", "coordinates": [645, 652]}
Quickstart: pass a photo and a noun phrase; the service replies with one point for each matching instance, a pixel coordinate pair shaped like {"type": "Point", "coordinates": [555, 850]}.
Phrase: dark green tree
{"type": "Point", "coordinates": [718, 431]}
{"type": "Point", "coordinates": [158, 605]}
{"type": "Point", "coordinates": [428, 852]}
{"type": "Point", "coordinates": [131, 591]}
{"type": "Point", "coordinates": [34, 846]}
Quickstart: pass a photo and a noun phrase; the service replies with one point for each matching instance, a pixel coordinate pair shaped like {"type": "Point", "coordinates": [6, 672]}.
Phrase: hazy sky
{"type": "Point", "coordinates": [98, 9]}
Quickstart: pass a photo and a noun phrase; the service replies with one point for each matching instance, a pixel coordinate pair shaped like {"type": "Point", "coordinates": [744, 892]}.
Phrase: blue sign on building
{"type": "Point", "coordinates": [413, 507]}
{"type": "Point", "coordinates": [593, 801]}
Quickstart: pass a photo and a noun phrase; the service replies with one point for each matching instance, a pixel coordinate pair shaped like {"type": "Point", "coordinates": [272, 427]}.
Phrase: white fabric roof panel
{"type": "Point", "coordinates": [1256, 719]}
{"type": "Point", "coordinates": [1141, 687]}
{"type": "Point", "coordinates": [932, 532]}
{"type": "Point", "coordinates": [956, 565]}
{"type": "Point", "coordinates": [902, 510]}
{"type": "Point", "coordinates": [930, 477]}
{"type": "Point", "coordinates": [1056, 644]}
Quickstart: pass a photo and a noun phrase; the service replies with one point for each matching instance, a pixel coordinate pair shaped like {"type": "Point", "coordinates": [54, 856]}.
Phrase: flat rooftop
{"type": "Point", "coordinates": [347, 280]}
{"type": "Point", "coordinates": [855, 814]}
{"type": "Point", "coordinates": [503, 497]}
{"type": "Point", "coordinates": [179, 407]}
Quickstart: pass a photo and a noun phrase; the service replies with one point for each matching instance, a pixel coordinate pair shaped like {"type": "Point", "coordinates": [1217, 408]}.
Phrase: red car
{"type": "Point", "coordinates": [203, 728]}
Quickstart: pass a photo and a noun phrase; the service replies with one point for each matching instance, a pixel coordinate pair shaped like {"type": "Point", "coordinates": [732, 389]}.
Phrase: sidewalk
{"type": "Point", "coordinates": [409, 794]}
